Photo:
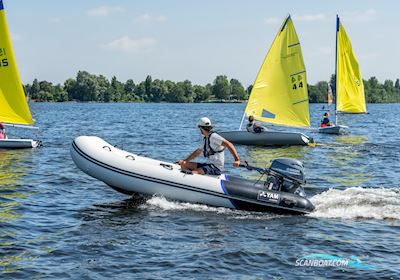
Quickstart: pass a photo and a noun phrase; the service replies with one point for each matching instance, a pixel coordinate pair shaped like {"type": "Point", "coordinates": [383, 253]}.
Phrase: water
{"type": "Point", "coordinates": [58, 223]}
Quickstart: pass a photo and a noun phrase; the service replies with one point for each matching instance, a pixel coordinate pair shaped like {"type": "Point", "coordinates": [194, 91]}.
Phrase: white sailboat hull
{"type": "Point", "coordinates": [335, 129]}
{"type": "Point", "coordinates": [18, 143]}
{"type": "Point", "coordinates": [267, 138]}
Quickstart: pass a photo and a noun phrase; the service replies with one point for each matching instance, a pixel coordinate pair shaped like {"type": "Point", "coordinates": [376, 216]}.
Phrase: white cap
{"type": "Point", "coordinates": [204, 121]}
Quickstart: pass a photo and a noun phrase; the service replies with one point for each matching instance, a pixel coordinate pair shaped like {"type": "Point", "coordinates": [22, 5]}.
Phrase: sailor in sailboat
{"type": "Point", "coordinates": [14, 109]}
{"type": "Point", "coordinates": [212, 148]}
{"type": "Point", "coordinates": [3, 134]}
{"type": "Point", "coordinates": [325, 122]}
{"type": "Point", "coordinates": [254, 126]}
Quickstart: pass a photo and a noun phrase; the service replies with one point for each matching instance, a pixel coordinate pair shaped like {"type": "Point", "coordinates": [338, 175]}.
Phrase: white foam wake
{"type": "Point", "coordinates": [164, 204]}
{"type": "Point", "coordinates": [357, 202]}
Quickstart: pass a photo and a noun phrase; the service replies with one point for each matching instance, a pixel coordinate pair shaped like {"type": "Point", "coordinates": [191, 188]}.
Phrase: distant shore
{"type": "Point", "coordinates": [88, 87]}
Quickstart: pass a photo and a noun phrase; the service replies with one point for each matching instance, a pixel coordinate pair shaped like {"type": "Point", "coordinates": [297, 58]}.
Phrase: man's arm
{"type": "Point", "coordinates": [192, 156]}
{"type": "Point", "coordinates": [231, 148]}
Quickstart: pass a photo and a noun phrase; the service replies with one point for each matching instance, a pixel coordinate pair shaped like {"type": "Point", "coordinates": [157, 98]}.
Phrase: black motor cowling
{"type": "Point", "coordinates": [287, 175]}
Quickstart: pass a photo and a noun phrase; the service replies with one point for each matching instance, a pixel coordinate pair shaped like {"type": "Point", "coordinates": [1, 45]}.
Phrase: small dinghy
{"type": "Point", "coordinates": [349, 92]}
{"type": "Point", "coordinates": [279, 95]}
{"type": "Point", "coordinates": [334, 129]}
{"type": "Point", "coordinates": [281, 191]}
{"type": "Point", "coordinates": [14, 109]}
{"type": "Point", "coordinates": [19, 143]}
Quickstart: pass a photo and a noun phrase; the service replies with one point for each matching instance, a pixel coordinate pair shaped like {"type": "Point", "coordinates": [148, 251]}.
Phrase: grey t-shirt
{"type": "Point", "coordinates": [218, 159]}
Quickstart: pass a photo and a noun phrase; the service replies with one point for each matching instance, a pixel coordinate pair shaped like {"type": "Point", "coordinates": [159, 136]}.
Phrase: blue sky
{"type": "Point", "coordinates": [194, 40]}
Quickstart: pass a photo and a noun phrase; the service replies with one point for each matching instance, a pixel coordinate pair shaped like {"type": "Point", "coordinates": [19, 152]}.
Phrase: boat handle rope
{"type": "Point", "coordinates": [109, 149]}
{"type": "Point", "coordinates": [166, 166]}
{"type": "Point", "coordinates": [130, 157]}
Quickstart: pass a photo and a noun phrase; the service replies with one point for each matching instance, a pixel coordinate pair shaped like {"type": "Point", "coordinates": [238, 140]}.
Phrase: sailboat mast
{"type": "Point", "coordinates": [336, 59]}
{"type": "Point", "coordinates": [241, 123]}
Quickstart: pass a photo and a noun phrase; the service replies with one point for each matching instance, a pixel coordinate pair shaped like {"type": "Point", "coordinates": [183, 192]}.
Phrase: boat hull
{"type": "Point", "coordinates": [18, 143]}
{"type": "Point", "coordinates": [129, 173]}
{"type": "Point", "coordinates": [336, 129]}
{"type": "Point", "coordinates": [267, 138]}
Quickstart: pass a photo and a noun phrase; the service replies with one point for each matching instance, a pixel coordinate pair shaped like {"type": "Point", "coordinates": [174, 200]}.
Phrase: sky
{"type": "Point", "coordinates": [194, 40]}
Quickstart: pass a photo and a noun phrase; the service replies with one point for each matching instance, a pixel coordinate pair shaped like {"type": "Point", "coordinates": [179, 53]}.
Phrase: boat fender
{"type": "Point", "coordinates": [166, 166]}
{"type": "Point", "coordinates": [107, 148]}
{"type": "Point", "coordinates": [130, 157]}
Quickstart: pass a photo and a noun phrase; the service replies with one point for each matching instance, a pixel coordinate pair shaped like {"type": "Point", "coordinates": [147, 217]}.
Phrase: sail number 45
{"type": "Point", "coordinates": [3, 62]}
{"type": "Point", "coordinates": [297, 82]}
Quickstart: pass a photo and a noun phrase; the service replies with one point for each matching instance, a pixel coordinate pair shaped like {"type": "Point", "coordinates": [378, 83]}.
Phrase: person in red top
{"type": "Point", "coordinates": [3, 134]}
{"type": "Point", "coordinates": [325, 120]}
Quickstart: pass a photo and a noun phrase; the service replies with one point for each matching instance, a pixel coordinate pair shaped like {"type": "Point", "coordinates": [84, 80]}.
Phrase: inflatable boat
{"type": "Point", "coordinates": [281, 191]}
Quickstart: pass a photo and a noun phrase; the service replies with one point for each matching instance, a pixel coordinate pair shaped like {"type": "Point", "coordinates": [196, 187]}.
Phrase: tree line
{"type": "Point", "coordinates": [89, 87]}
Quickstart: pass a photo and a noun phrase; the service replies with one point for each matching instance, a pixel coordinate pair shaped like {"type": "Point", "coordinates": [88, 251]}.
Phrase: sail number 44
{"type": "Point", "coordinates": [297, 82]}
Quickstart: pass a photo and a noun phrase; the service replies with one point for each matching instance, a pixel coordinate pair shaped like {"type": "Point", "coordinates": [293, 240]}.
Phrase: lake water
{"type": "Point", "coordinates": [58, 223]}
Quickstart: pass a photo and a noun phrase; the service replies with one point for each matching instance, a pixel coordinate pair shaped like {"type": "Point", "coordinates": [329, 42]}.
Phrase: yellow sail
{"type": "Point", "coordinates": [13, 105]}
{"type": "Point", "coordinates": [279, 95]}
{"type": "Point", "coordinates": [349, 84]}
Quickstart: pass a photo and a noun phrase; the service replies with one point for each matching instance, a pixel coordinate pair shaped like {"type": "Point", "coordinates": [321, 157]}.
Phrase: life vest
{"type": "Point", "coordinates": [207, 150]}
{"type": "Point", "coordinates": [324, 120]}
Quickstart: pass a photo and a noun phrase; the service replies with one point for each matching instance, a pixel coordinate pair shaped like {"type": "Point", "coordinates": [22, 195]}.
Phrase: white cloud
{"type": "Point", "coordinates": [150, 18]}
{"type": "Point", "coordinates": [126, 44]}
{"type": "Point", "coordinates": [272, 20]}
{"type": "Point", "coordinates": [310, 17]}
{"type": "Point", "coordinates": [104, 11]}
{"type": "Point", "coordinates": [361, 16]}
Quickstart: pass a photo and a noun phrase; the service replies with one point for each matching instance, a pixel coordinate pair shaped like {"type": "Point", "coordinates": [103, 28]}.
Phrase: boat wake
{"type": "Point", "coordinates": [357, 202]}
{"type": "Point", "coordinates": [159, 202]}
{"type": "Point", "coordinates": [352, 203]}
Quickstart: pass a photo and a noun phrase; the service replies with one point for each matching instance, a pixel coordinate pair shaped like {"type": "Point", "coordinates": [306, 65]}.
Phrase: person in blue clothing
{"type": "Point", "coordinates": [325, 120]}
{"type": "Point", "coordinates": [212, 147]}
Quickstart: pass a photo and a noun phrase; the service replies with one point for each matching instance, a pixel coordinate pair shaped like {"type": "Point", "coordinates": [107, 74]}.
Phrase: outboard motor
{"type": "Point", "coordinates": [286, 175]}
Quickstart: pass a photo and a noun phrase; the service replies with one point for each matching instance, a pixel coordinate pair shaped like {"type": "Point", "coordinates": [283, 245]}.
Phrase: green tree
{"type": "Point", "coordinates": [158, 91]}
{"type": "Point", "coordinates": [130, 90]}
{"type": "Point", "coordinates": [237, 90]}
{"type": "Point", "coordinates": [189, 92]}
{"type": "Point", "coordinates": [397, 84]}
{"type": "Point", "coordinates": [70, 88]}
{"type": "Point", "coordinates": [148, 84]}
{"type": "Point", "coordinates": [140, 91]}
{"type": "Point", "coordinates": [221, 89]}
{"type": "Point", "coordinates": [117, 89]}
{"type": "Point", "coordinates": [35, 89]}
{"type": "Point", "coordinates": [201, 93]}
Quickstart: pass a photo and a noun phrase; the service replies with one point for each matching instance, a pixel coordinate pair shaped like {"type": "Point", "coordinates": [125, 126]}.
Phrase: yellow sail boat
{"type": "Point", "coordinates": [350, 96]}
{"type": "Point", "coordinates": [14, 110]}
{"type": "Point", "coordinates": [279, 95]}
